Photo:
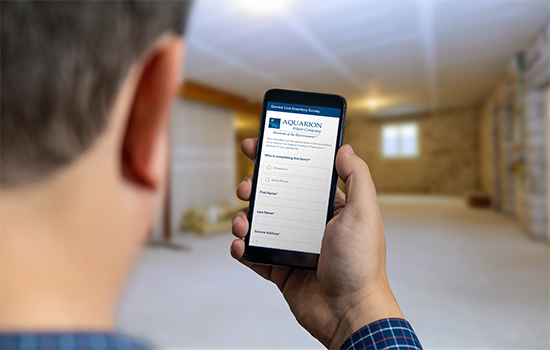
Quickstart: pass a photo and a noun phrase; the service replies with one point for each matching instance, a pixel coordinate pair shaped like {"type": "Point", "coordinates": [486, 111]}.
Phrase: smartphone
{"type": "Point", "coordinates": [295, 180]}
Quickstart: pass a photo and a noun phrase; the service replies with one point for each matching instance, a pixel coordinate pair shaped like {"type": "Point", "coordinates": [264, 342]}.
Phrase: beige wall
{"type": "Point", "coordinates": [448, 161]}
{"type": "Point", "coordinates": [203, 157]}
{"type": "Point", "coordinates": [247, 126]}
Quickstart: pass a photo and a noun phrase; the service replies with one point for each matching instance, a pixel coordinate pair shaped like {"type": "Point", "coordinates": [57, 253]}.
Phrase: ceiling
{"type": "Point", "coordinates": [386, 57]}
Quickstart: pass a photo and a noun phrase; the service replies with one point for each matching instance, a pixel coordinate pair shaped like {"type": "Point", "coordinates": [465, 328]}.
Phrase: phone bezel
{"type": "Point", "coordinates": [271, 256]}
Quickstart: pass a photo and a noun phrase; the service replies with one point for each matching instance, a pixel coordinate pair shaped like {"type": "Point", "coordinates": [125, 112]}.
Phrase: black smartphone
{"type": "Point", "coordinates": [295, 180]}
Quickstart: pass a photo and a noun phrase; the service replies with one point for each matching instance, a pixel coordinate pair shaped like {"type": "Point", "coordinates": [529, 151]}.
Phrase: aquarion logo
{"type": "Point", "coordinates": [302, 123]}
{"type": "Point", "coordinates": [274, 123]}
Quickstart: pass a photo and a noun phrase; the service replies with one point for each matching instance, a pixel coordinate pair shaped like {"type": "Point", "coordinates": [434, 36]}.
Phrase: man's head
{"type": "Point", "coordinates": [62, 66]}
{"type": "Point", "coordinates": [86, 91]}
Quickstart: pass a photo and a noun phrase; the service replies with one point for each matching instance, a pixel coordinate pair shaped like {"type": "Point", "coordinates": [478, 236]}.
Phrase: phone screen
{"type": "Point", "coordinates": [294, 177]}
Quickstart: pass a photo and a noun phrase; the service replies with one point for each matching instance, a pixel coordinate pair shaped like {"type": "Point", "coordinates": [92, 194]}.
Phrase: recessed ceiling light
{"type": "Point", "coordinates": [373, 103]}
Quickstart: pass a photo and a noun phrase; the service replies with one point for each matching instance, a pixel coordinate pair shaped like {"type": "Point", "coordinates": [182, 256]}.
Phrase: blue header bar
{"type": "Point", "coordinates": [300, 109]}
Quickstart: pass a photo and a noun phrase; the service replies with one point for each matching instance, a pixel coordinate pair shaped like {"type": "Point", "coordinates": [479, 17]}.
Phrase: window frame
{"type": "Point", "coordinates": [399, 156]}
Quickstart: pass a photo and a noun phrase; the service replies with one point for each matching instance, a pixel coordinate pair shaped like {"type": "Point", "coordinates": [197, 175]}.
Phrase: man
{"type": "Point", "coordinates": [86, 94]}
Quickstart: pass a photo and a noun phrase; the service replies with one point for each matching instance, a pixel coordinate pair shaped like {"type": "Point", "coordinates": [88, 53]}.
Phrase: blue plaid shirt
{"type": "Point", "coordinates": [391, 333]}
{"type": "Point", "coordinates": [69, 341]}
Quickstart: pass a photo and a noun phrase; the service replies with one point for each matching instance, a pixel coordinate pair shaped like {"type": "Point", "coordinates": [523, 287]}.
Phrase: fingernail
{"type": "Point", "coordinates": [235, 220]}
{"type": "Point", "coordinates": [349, 150]}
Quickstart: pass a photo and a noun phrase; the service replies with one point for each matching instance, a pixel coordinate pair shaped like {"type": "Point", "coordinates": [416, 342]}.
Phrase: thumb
{"type": "Point", "coordinates": [360, 190]}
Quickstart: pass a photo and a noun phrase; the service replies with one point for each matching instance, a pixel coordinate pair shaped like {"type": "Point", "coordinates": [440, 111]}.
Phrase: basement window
{"type": "Point", "coordinates": [400, 140]}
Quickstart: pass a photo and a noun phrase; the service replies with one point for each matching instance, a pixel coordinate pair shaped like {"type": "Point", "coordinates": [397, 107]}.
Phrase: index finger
{"type": "Point", "coordinates": [249, 148]}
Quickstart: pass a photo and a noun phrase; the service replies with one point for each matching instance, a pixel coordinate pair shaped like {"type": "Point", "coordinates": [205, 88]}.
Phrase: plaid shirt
{"type": "Point", "coordinates": [389, 333]}
{"type": "Point", "coordinates": [69, 341]}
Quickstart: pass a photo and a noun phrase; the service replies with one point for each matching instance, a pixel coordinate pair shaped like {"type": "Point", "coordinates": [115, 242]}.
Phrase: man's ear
{"type": "Point", "coordinates": [145, 148]}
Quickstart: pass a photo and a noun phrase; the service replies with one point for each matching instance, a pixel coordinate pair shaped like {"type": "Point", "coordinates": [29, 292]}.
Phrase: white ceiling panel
{"type": "Point", "coordinates": [419, 54]}
{"type": "Point", "coordinates": [312, 80]}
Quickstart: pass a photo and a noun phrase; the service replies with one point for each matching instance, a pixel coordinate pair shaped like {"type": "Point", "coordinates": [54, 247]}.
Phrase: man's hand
{"type": "Point", "coordinates": [350, 288]}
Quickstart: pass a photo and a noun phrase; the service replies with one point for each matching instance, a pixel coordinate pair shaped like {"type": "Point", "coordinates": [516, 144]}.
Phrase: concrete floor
{"type": "Point", "coordinates": [465, 279]}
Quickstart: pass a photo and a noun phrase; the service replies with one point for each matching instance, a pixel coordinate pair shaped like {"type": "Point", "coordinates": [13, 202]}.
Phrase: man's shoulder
{"type": "Point", "coordinates": [69, 341]}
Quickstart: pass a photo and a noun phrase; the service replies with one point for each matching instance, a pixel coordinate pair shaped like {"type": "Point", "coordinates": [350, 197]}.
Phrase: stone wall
{"type": "Point", "coordinates": [487, 148]}
{"type": "Point", "coordinates": [536, 158]}
{"type": "Point", "coordinates": [536, 86]}
{"type": "Point", "coordinates": [500, 174]}
{"type": "Point", "coordinates": [448, 160]}
{"type": "Point", "coordinates": [514, 133]}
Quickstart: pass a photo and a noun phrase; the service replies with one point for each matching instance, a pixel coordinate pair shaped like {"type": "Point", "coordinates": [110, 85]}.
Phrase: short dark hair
{"type": "Point", "coordinates": [62, 64]}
